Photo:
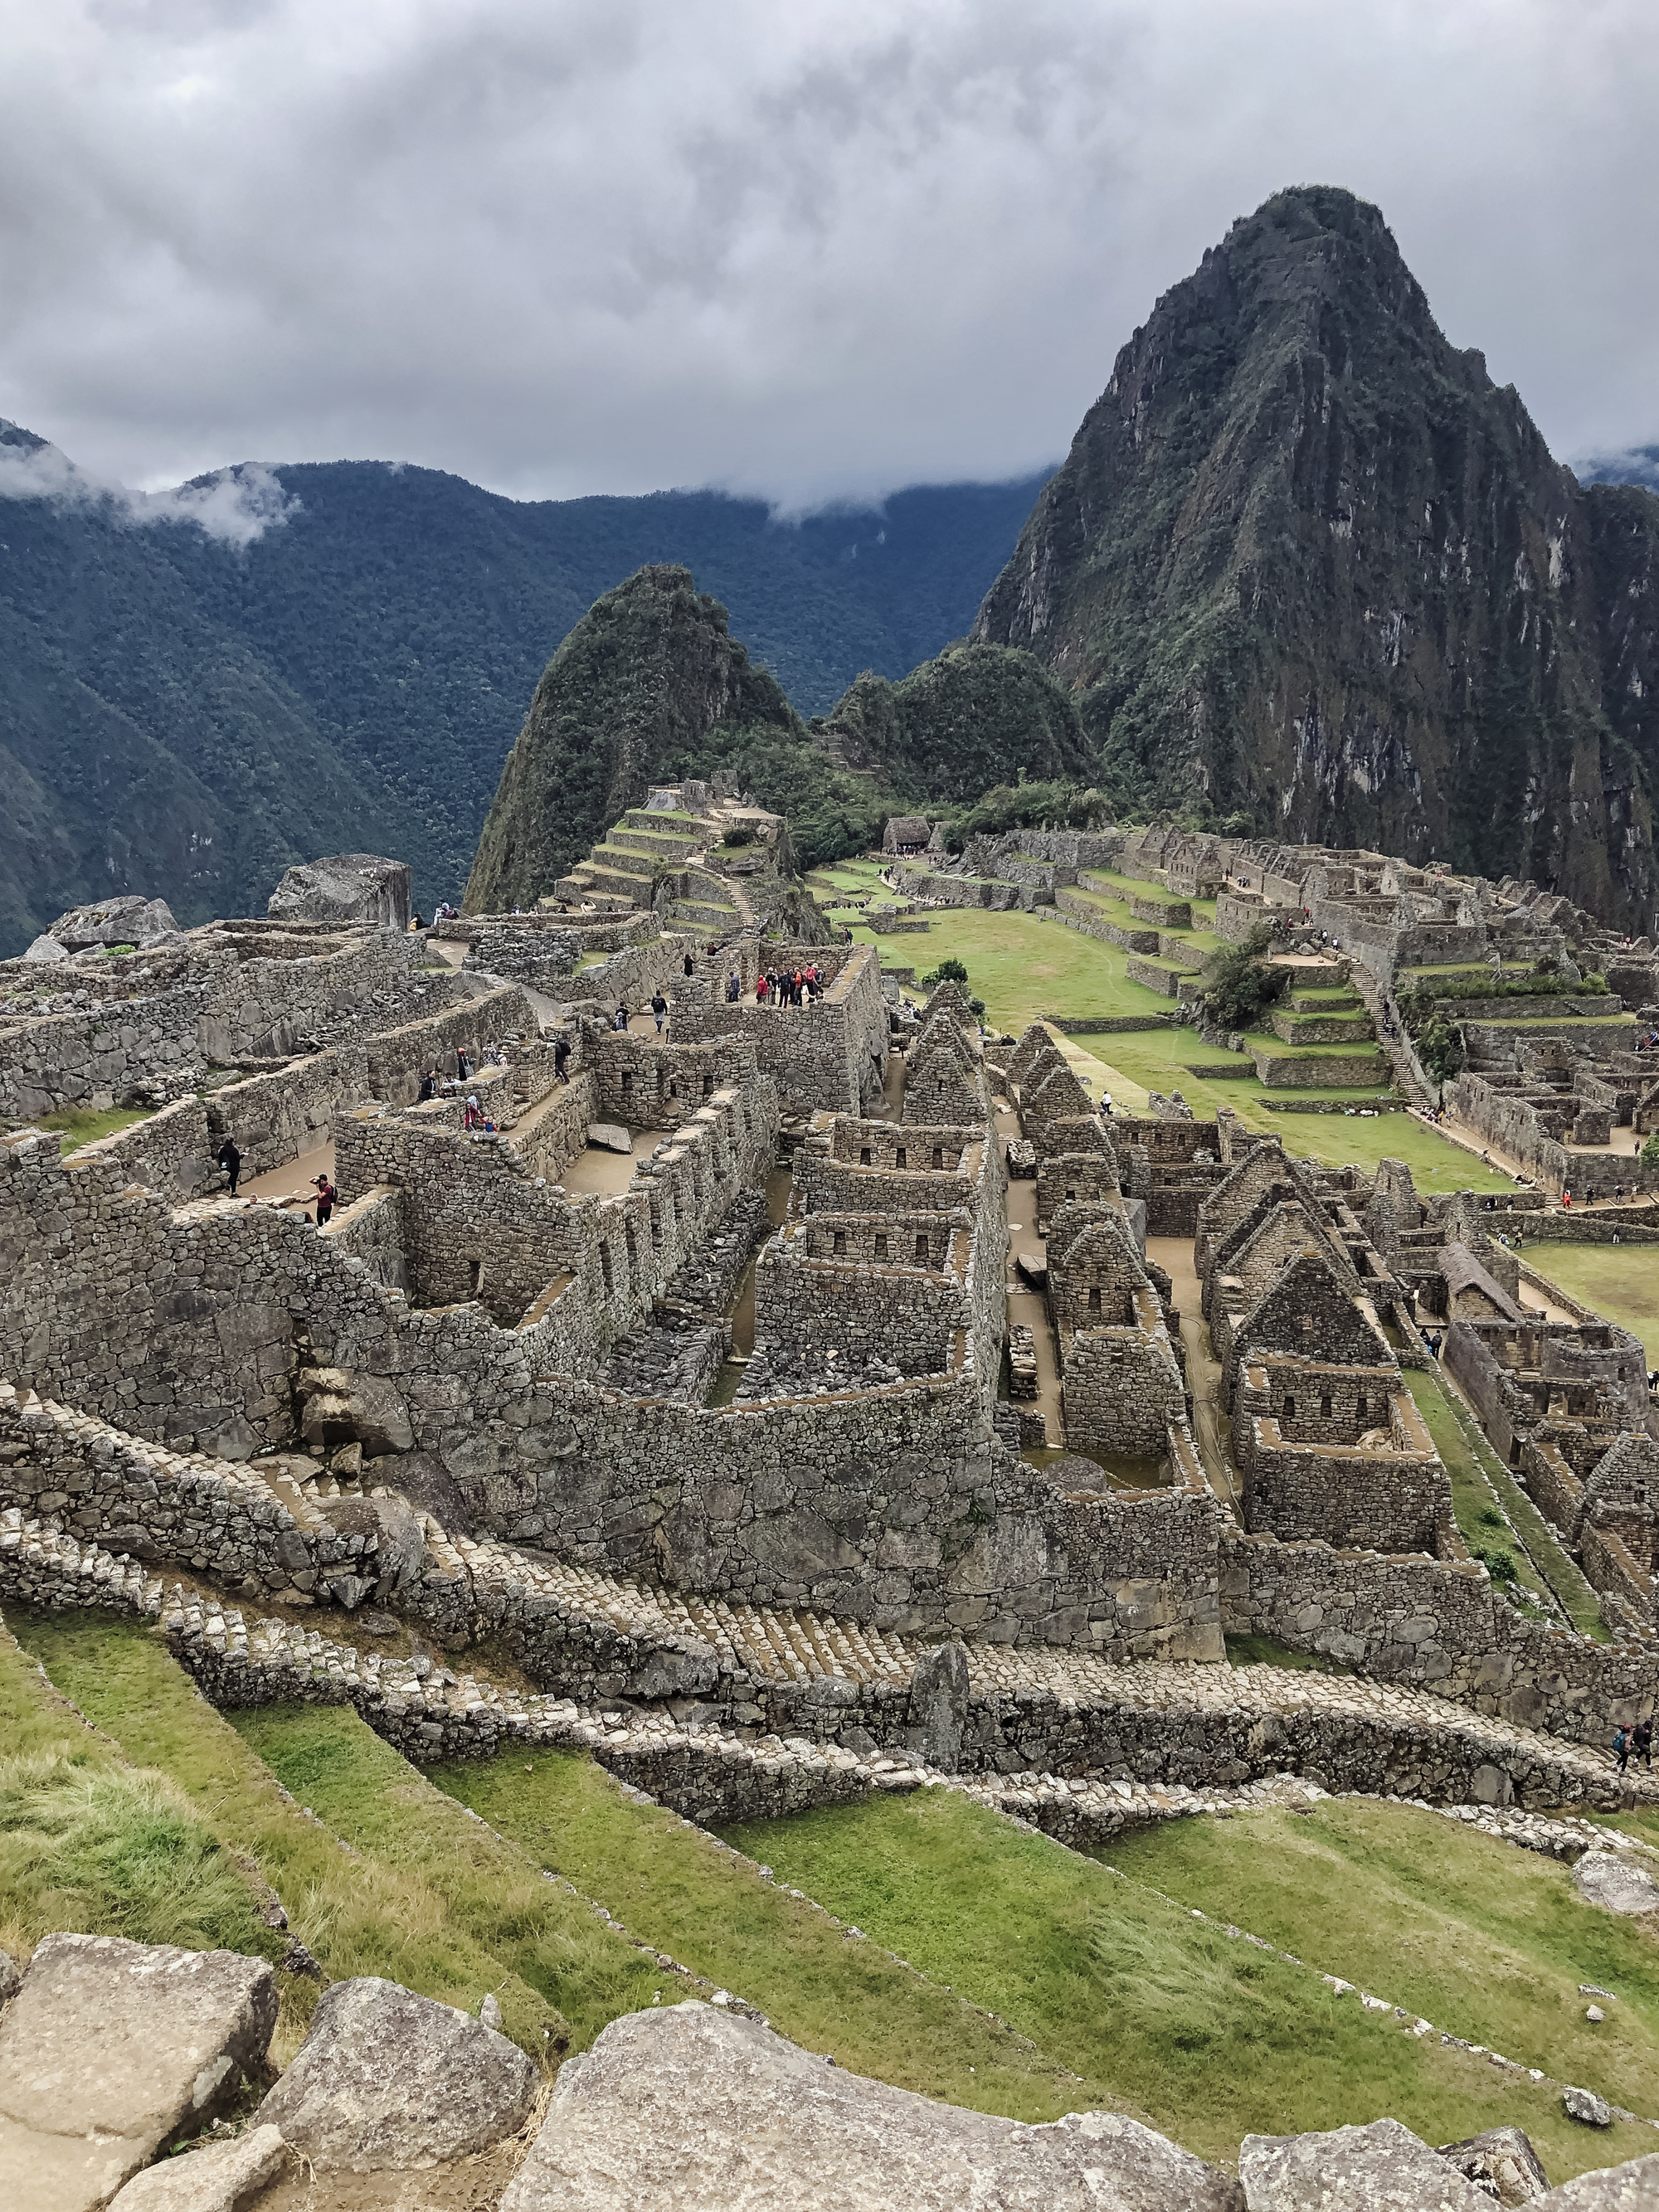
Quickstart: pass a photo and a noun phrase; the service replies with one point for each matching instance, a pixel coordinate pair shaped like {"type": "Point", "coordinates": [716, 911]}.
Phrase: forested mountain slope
{"type": "Point", "coordinates": [184, 717]}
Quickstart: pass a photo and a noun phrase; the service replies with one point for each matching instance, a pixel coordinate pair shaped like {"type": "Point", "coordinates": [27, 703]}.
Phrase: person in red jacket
{"type": "Point", "coordinates": [326, 1196]}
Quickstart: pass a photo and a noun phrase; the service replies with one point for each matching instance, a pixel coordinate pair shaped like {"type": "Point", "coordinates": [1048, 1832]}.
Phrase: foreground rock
{"type": "Point", "coordinates": [1587, 2108]}
{"type": "Point", "coordinates": [1383, 2167]}
{"type": "Point", "coordinates": [385, 2080]}
{"type": "Point", "coordinates": [1608, 1879]}
{"type": "Point", "coordinates": [700, 2111]}
{"type": "Point", "coordinates": [344, 887]}
{"type": "Point", "coordinates": [1630, 2188]}
{"type": "Point", "coordinates": [214, 2180]}
{"type": "Point", "coordinates": [610, 1137]}
{"type": "Point", "coordinates": [112, 2049]}
{"type": "Point", "coordinates": [1503, 2162]}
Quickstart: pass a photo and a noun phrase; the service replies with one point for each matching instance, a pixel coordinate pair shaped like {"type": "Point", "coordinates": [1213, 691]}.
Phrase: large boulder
{"type": "Point", "coordinates": [112, 2049]}
{"type": "Point", "coordinates": [1633, 2187]}
{"type": "Point", "coordinates": [387, 2080]}
{"type": "Point", "coordinates": [136, 922]}
{"type": "Point", "coordinates": [701, 2110]}
{"type": "Point", "coordinates": [215, 2179]}
{"type": "Point", "coordinates": [1384, 2167]}
{"type": "Point", "coordinates": [1614, 1883]}
{"type": "Point", "coordinates": [345, 887]}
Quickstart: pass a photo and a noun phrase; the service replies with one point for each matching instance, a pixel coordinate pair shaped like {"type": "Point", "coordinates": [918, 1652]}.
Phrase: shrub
{"type": "Point", "coordinates": [1499, 1564]}
{"type": "Point", "coordinates": [741, 836]}
{"type": "Point", "coordinates": [1238, 988]}
{"type": "Point", "coordinates": [1650, 1152]}
{"type": "Point", "coordinates": [948, 971]}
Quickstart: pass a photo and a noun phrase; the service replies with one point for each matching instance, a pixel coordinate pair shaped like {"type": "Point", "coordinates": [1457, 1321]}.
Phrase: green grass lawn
{"type": "Point", "coordinates": [1215, 2039]}
{"type": "Point", "coordinates": [1619, 1281]}
{"type": "Point", "coordinates": [91, 1842]}
{"type": "Point", "coordinates": [1477, 1473]}
{"type": "Point", "coordinates": [424, 1897]}
{"type": "Point", "coordinates": [77, 1127]}
{"type": "Point", "coordinates": [818, 1986]}
{"type": "Point", "coordinates": [1025, 966]}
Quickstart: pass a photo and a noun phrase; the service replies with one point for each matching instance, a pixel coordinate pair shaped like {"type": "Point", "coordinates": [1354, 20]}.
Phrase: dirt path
{"type": "Point", "coordinates": [1211, 1431]}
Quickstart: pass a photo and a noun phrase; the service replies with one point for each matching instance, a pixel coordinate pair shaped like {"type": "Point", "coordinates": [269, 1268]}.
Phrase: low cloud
{"type": "Point", "coordinates": [806, 252]}
{"type": "Point", "coordinates": [234, 505]}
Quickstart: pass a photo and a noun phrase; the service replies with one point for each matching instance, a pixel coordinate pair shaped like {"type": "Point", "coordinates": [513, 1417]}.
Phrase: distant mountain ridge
{"type": "Point", "coordinates": [184, 717]}
{"type": "Point", "coordinates": [1306, 562]}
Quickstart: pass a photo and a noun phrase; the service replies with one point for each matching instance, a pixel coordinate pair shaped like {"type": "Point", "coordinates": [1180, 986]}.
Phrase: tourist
{"type": "Point", "coordinates": [560, 1056]}
{"type": "Point", "coordinates": [1566, 1201]}
{"type": "Point", "coordinates": [620, 1019]}
{"type": "Point", "coordinates": [659, 1009]}
{"type": "Point", "coordinates": [428, 1087]}
{"type": "Point", "coordinates": [462, 1063]}
{"type": "Point", "coordinates": [472, 1117]}
{"type": "Point", "coordinates": [733, 988]}
{"type": "Point", "coordinates": [1642, 1743]}
{"type": "Point", "coordinates": [326, 1196]}
{"type": "Point", "coordinates": [690, 965]}
{"type": "Point", "coordinates": [1621, 1747]}
{"type": "Point", "coordinates": [231, 1161]}
{"type": "Point", "coordinates": [414, 923]}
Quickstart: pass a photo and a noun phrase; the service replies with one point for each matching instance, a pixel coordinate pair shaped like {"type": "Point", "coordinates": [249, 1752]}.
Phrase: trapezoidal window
{"type": "Point", "coordinates": [627, 1081]}
{"type": "Point", "coordinates": [939, 1161]}
{"type": "Point", "coordinates": [1093, 1299]}
{"type": "Point", "coordinates": [864, 1156]}
{"type": "Point", "coordinates": [1290, 1409]}
{"type": "Point", "coordinates": [902, 1156]}
{"type": "Point", "coordinates": [475, 1279]}
{"type": "Point", "coordinates": [881, 1243]}
{"type": "Point", "coordinates": [839, 1242]}
{"type": "Point", "coordinates": [922, 1246]}
{"type": "Point", "coordinates": [1324, 1409]}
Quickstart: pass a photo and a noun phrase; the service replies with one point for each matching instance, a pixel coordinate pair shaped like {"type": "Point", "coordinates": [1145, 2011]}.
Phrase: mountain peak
{"type": "Point", "coordinates": [1304, 561]}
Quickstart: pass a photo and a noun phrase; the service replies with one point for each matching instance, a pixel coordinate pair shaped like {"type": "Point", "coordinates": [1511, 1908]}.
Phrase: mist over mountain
{"type": "Point", "coordinates": [198, 690]}
{"type": "Point", "coordinates": [1306, 563]}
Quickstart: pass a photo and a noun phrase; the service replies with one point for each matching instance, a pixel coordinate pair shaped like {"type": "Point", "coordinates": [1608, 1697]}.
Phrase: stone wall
{"type": "Point", "coordinates": [128, 1497]}
{"type": "Point", "coordinates": [1120, 1388]}
{"type": "Point", "coordinates": [831, 1057]}
{"type": "Point", "coordinates": [1297, 1430]}
{"type": "Point", "coordinates": [837, 1286]}
{"type": "Point", "coordinates": [1436, 1626]}
{"type": "Point", "coordinates": [647, 1085]}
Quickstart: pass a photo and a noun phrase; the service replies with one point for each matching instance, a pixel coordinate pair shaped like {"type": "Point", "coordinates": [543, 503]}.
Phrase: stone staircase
{"type": "Point", "coordinates": [1409, 1074]}
{"type": "Point", "coordinates": [1144, 1741]}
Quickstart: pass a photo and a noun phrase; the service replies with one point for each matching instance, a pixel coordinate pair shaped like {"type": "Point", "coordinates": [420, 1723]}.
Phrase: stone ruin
{"type": "Point", "coordinates": [681, 1364]}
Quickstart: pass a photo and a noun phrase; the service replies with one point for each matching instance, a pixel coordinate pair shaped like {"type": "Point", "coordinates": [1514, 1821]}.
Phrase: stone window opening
{"type": "Point", "coordinates": [864, 1156]}
{"type": "Point", "coordinates": [673, 1089]}
{"type": "Point", "coordinates": [1071, 1194]}
{"type": "Point", "coordinates": [475, 1277]}
{"type": "Point", "coordinates": [939, 1161]}
{"type": "Point", "coordinates": [1290, 1409]}
{"type": "Point", "coordinates": [921, 1245]}
{"type": "Point", "coordinates": [633, 1254]}
{"type": "Point", "coordinates": [839, 1242]}
{"type": "Point", "coordinates": [902, 1156]}
{"type": "Point", "coordinates": [1361, 1408]}
{"type": "Point", "coordinates": [708, 1084]}
{"type": "Point", "coordinates": [1324, 1409]}
{"type": "Point", "coordinates": [881, 1245]}
{"type": "Point", "coordinates": [1093, 1299]}
{"type": "Point", "coordinates": [604, 1267]}
{"type": "Point", "coordinates": [627, 1081]}
{"type": "Point", "coordinates": [1307, 1324]}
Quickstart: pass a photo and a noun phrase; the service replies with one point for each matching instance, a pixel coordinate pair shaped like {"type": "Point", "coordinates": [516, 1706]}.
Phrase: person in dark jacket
{"type": "Point", "coordinates": [231, 1161]}
{"type": "Point", "coordinates": [326, 1196]}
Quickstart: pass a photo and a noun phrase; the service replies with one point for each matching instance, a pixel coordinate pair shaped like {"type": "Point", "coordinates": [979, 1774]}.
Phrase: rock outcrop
{"type": "Point", "coordinates": [1610, 1881]}
{"type": "Point", "coordinates": [218, 2177]}
{"type": "Point", "coordinates": [385, 2080]}
{"type": "Point", "coordinates": [346, 887]}
{"type": "Point", "coordinates": [699, 2110]}
{"type": "Point", "coordinates": [112, 2049]}
{"type": "Point", "coordinates": [1305, 558]}
{"type": "Point", "coordinates": [134, 921]}
{"type": "Point", "coordinates": [1384, 2167]}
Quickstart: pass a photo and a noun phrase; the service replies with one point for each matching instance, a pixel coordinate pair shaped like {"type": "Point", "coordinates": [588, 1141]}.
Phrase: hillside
{"type": "Point", "coordinates": [1306, 561]}
{"type": "Point", "coordinates": [181, 717]}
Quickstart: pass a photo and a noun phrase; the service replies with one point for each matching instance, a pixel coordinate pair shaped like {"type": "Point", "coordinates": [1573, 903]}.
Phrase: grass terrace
{"type": "Point", "coordinates": [1212, 2037]}
{"type": "Point", "coordinates": [1620, 1282]}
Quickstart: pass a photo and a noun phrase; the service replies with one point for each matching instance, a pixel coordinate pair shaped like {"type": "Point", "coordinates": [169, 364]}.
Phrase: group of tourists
{"type": "Point", "coordinates": [785, 987]}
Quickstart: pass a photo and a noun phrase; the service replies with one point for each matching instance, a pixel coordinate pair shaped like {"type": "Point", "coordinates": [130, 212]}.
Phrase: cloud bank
{"type": "Point", "coordinates": [234, 504]}
{"type": "Point", "coordinates": [812, 252]}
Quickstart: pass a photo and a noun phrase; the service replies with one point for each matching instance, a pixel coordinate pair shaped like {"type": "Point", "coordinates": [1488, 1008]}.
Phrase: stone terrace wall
{"type": "Point", "coordinates": [102, 1058]}
{"type": "Point", "coordinates": [1435, 1626]}
{"type": "Point", "coordinates": [395, 1060]}
{"type": "Point", "coordinates": [830, 1057]}
{"type": "Point", "coordinates": [106, 1487]}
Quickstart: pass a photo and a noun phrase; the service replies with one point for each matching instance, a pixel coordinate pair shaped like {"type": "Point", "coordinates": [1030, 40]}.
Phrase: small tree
{"type": "Point", "coordinates": [1238, 986]}
{"type": "Point", "coordinates": [948, 971]}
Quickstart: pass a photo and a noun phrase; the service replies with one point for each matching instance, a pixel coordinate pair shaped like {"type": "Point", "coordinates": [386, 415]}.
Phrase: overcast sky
{"type": "Point", "coordinates": [807, 248]}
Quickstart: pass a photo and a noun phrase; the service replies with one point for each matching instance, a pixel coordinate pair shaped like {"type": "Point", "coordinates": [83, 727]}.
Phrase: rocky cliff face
{"type": "Point", "coordinates": [974, 716]}
{"type": "Point", "coordinates": [649, 671]}
{"type": "Point", "coordinates": [1306, 559]}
